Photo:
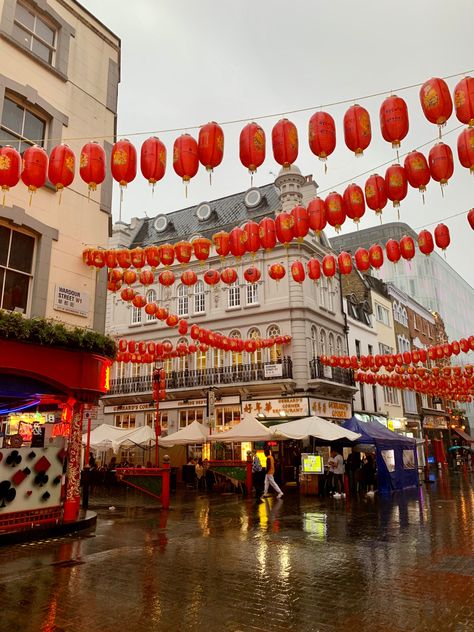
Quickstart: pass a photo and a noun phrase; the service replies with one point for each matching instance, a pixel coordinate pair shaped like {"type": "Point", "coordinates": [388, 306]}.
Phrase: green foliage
{"type": "Point", "coordinates": [40, 331]}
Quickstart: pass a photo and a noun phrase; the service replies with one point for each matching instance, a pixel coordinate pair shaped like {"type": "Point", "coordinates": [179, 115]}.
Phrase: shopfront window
{"type": "Point", "coordinates": [16, 266]}
{"type": "Point", "coordinates": [187, 417]}
{"type": "Point", "coordinates": [227, 416]}
{"type": "Point", "coordinates": [162, 417]}
{"type": "Point", "coordinates": [125, 421]}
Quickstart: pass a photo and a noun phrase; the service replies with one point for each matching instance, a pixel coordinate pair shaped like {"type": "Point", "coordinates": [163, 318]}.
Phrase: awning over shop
{"type": "Point", "coordinates": [192, 434]}
{"type": "Point", "coordinates": [249, 429]}
{"type": "Point", "coordinates": [106, 437]}
{"type": "Point", "coordinates": [313, 427]}
{"type": "Point", "coordinates": [463, 435]}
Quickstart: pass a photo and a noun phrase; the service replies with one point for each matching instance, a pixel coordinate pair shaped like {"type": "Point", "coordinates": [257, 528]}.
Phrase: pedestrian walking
{"type": "Point", "coordinates": [336, 467]}
{"type": "Point", "coordinates": [269, 476]}
{"type": "Point", "coordinates": [258, 475]}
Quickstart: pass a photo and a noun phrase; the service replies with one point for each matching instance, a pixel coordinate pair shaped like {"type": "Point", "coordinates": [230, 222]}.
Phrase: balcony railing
{"type": "Point", "coordinates": [262, 371]}
{"type": "Point", "coordinates": [319, 371]}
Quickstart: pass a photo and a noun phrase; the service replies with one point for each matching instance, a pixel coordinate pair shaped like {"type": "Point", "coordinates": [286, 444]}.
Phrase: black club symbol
{"type": "Point", "coordinates": [41, 479]}
{"type": "Point", "coordinates": [14, 458]}
{"type": "Point", "coordinates": [7, 493]}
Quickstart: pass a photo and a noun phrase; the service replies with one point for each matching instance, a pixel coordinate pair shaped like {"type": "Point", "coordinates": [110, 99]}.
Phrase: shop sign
{"type": "Point", "coordinates": [127, 408]}
{"type": "Point", "coordinates": [435, 423]}
{"type": "Point", "coordinates": [273, 370]}
{"type": "Point", "coordinates": [312, 464]}
{"type": "Point", "coordinates": [290, 406]}
{"type": "Point", "coordinates": [71, 301]}
{"type": "Point", "coordinates": [329, 408]}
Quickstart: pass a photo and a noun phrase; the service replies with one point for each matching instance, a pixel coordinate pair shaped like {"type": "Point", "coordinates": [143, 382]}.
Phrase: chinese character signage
{"type": "Point", "coordinates": [71, 301]}
{"type": "Point", "coordinates": [271, 408]}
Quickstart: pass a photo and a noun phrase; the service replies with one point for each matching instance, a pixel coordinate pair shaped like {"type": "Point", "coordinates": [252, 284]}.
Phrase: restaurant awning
{"type": "Point", "coordinates": [313, 427]}
{"type": "Point", "coordinates": [249, 429]}
{"type": "Point", "coordinates": [194, 433]}
{"type": "Point", "coordinates": [463, 435]}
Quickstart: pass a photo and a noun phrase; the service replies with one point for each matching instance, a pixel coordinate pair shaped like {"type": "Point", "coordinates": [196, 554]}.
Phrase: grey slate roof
{"type": "Point", "coordinates": [374, 235]}
{"type": "Point", "coordinates": [227, 212]}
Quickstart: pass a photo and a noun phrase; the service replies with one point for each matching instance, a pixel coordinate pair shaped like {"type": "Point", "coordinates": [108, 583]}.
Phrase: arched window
{"type": "Point", "coordinates": [323, 291]}
{"type": "Point", "coordinates": [332, 287]}
{"type": "Point", "coordinates": [314, 341]}
{"type": "Point", "coordinates": [322, 342]}
{"type": "Point", "coordinates": [275, 350]}
{"type": "Point", "coordinates": [199, 298]}
{"type": "Point", "coordinates": [218, 357]}
{"type": "Point", "coordinates": [331, 344]}
{"type": "Point", "coordinates": [233, 296]}
{"type": "Point", "coordinates": [151, 297]}
{"type": "Point", "coordinates": [255, 357]}
{"type": "Point", "coordinates": [404, 317]}
{"type": "Point", "coordinates": [183, 300]}
{"type": "Point", "coordinates": [236, 355]}
{"type": "Point", "coordinates": [168, 363]}
{"type": "Point", "coordinates": [182, 361]}
{"type": "Point", "coordinates": [339, 350]}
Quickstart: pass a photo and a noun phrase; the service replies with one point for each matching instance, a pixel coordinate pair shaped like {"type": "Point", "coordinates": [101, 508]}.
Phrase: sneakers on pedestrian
{"type": "Point", "coordinates": [336, 495]}
{"type": "Point", "coordinates": [280, 495]}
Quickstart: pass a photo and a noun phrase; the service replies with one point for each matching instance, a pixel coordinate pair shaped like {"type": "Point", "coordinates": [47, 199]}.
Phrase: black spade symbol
{"type": "Point", "coordinates": [41, 479]}
{"type": "Point", "coordinates": [46, 495]}
{"type": "Point", "coordinates": [7, 493]}
{"type": "Point", "coordinates": [14, 458]}
{"type": "Point", "coordinates": [31, 455]}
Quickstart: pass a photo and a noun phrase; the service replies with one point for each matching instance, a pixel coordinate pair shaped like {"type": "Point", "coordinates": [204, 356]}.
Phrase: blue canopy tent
{"type": "Point", "coordinates": [395, 454]}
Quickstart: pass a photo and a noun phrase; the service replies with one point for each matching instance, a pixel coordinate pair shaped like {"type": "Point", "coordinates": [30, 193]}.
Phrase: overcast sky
{"type": "Point", "coordinates": [185, 63]}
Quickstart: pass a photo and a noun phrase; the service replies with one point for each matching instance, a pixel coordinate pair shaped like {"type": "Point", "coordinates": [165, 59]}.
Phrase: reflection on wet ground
{"type": "Point", "coordinates": [215, 563]}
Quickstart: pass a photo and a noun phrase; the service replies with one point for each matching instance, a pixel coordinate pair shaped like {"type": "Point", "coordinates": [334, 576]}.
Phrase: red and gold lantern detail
{"type": "Point", "coordinates": [396, 184]}
{"type": "Point", "coordinates": [115, 275]}
{"type": "Point", "coordinates": [300, 222]}
{"type": "Point", "coordinates": [166, 278]}
{"type": "Point", "coordinates": [201, 248]}
{"type": "Point", "coordinates": [129, 277]}
{"type": "Point", "coordinates": [162, 314]}
{"type": "Point", "coordinates": [329, 265]}
{"type": "Point", "coordinates": [362, 259]}
{"type": "Point", "coordinates": [139, 301]}
{"type": "Point", "coordinates": [335, 210]}
{"type": "Point", "coordinates": [425, 242]}
{"type": "Point", "coordinates": [10, 168]}
{"type": "Point", "coordinates": [317, 218]}
{"type": "Point", "coordinates": [376, 193]}
{"type": "Point", "coordinates": [167, 254]}
{"type": "Point", "coordinates": [127, 294]}
{"type": "Point", "coordinates": [183, 251]}
{"type": "Point", "coordinates": [276, 271]}
{"type": "Point", "coordinates": [98, 258]}
{"type": "Point", "coordinates": [146, 277]}
{"type": "Point", "coordinates": [92, 165]}
{"type": "Point", "coordinates": [417, 170]}
{"type": "Point", "coordinates": [151, 309]}
{"type": "Point", "coordinates": [252, 237]}
{"type": "Point", "coordinates": [237, 242]}
{"type": "Point", "coordinates": [441, 163]}
{"type": "Point", "coordinates": [183, 330]}
{"type": "Point", "coordinates": [285, 143]}
{"type": "Point", "coordinates": [436, 101]}
{"type": "Point", "coordinates": [376, 256]}
{"type": "Point", "coordinates": [35, 167]}
{"type": "Point", "coordinates": [189, 277]}
{"type": "Point", "coordinates": [211, 145]}
{"type": "Point", "coordinates": [394, 120]}
{"type": "Point", "coordinates": [466, 148]}
{"type": "Point", "coordinates": [110, 258]}
{"type": "Point", "coordinates": [252, 146]}
{"type": "Point", "coordinates": [464, 101]}
{"type": "Point", "coordinates": [354, 202]}
{"type": "Point", "coordinates": [344, 261]}
{"type": "Point", "coordinates": [442, 236]}
{"type": "Point", "coordinates": [221, 243]}
{"type": "Point", "coordinates": [62, 164]}
{"type": "Point", "coordinates": [228, 276]}
{"type": "Point", "coordinates": [252, 274]}
{"type": "Point", "coordinates": [267, 233]}
{"type": "Point", "coordinates": [124, 258]}
{"type": "Point", "coordinates": [470, 218]}
{"type": "Point", "coordinates": [124, 162]}
{"type": "Point", "coordinates": [152, 254]}
{"type": "Point", "coordinates": [138, 258]}
{"type": "Point", "coordinates": [284, 228]}
{"type": "Point", "coordinates": [185, 157]}
{"type": "Point", "coordinates": [211, 277]}
{"type": "Point", "coordinates": [314, 269]}
{"type": "Point", "coordinates": [172, 320]}
{"type": "Point", "coordinates": [322, 135]}
{"type": "Point", "coordinates": [357, 129]}
{"type": "Point", "coordinates": [392, 248]}
{"type": "Point", "coordinates": [153, 160]}
{"type": "Point", "coordinates": [407, 247]}
{"type": "Point", "coordinates": [297, 271]}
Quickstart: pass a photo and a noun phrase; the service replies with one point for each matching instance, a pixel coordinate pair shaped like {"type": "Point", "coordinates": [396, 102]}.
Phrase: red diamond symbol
{"type": "Point", "coordinates": [42, 465]}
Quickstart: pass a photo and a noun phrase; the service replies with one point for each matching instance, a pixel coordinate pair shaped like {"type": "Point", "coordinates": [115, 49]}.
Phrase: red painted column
{"type": "Point", "coordinates": [73, 475]}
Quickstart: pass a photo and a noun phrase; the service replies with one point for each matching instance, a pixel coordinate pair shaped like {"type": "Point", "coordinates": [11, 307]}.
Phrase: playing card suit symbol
{"type": "Point", "coordinates": [7, 493]}
{"type": "Point", "coordinates": [42, 465]}
{"type": "Point", "coordinates": [31, 455]}
{"type": "Point", "coordinates": [45, 496]}
{"type": "Point", "coordinates": [41, 479]}
{"type": "Point", "coordinates": [57, 480]}
{"type": "Point", "coordinates": [14, 458]}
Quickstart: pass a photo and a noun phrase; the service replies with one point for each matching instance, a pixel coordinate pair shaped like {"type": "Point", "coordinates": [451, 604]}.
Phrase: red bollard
{"type": "Point", "coordinates": [165, 486]}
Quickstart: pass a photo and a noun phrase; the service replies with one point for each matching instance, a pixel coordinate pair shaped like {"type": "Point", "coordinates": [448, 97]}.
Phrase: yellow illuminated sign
{"type": "Point", "coordinates": [312, 464]}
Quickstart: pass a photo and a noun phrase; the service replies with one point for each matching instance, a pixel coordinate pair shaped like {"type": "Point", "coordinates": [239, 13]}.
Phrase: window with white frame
{"type": "Point", "coordinates": [183, 300]}
{"type": "Point", "coordinates": [314, 341]}
{"type": "Point", "coordinates": [136, 369]}
{"type": "Point", "coordinates": [187, 417]}
{"type": "Point", "coordinates": [17, 250]}
{"type": "Point", "coordinates": [201, 359]}
{"type": "Point", "coordinates": [404, 317]}
{"type": "Point", "coordinates": [385, 349]}
{"type": "Point", "coordinates": [331, 344]}
{"type": "Point", "coordinates": [182, 360]}
{"type": "Point", "coordinates": [331, 293]}
{"type": "Point", "coordinates": [403, 343]}
{"type": "Point", "coordinates": [409, 401]}
{"type": "Point", "coordinates": [323, 291]}
{"type": "Point", "coordinates": [382, 314]}
{"type": "Point", "coordinates": [218, 357]}
{"type": "Point", "coordinates": [136, 315]}
{"type": "Point", "coordinates": [339, 347]}
{"type": "Point", "coordinates": [424, 400]}
{"type": "Point", "coordinates": [162, 419]}
{"type": "Point", "coordinates": [256, 356]}
{"type": "Point", "coordinates": [233, 296]}
{"type": "Point", "coordinates": [252, 294]}
{"type": "Point", "coordinates": [151, 297]}
{"type": "Point", "coordinates": [199, 298]}
{"type": "Point", "coordinates": [22, 126]}
{"type": "Point", "coordinates": [35, 32]}
{"type": "Point", "coordinates": [322, 342]}
{"type": "Point", "coordinates": [125, 421]}
{"type": "Point", "coordinates": [276, 350]}
{"type": "Point", "coordinates": [391, 395]}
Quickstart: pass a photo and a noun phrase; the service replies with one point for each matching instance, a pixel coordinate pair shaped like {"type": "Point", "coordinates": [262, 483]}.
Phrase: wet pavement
{"type": "Point", "coordinates": [218, 562]}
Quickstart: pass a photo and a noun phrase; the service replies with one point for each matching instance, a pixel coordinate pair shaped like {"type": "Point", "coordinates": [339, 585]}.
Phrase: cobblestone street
{"type": "Point", "coordinates": [221, 563]}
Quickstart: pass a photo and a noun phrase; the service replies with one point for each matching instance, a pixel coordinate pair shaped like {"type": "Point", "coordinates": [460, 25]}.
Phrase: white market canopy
{"type": "Point", "coordinates": [106, 437]}
{"type": "Point", "coordinates": [194, 433]}
{"type": "Point", "coordinates": [249, 429]}
{"type": "Point", "coordinates": [312, 427]}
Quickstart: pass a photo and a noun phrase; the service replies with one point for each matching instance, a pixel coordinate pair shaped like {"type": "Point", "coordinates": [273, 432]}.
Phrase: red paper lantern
{"type": "Point", "coordinates": [329, 265]}
{"type": "Point", "coordinates": [172, 321]}
{"type": "Point", "coordinates": [124, 162]}
{"type": "Point", "coordinates": [285, 142]}
{"type": "Point", "coordinates": [115, 275]}
{"type": "Point", "coordinates": [151, 309]}
{"type": "Point", "coordinates": [441, 163]}
{"type": "Point", "coordinates": [396, 184]}
{"type": "Point", "coordinates": [297, 271]}
{"type": "Point", "coordinates": [300, 222]}
{"type": "Point", "coordinates": [466, 148]}
{"type": "Point", "coordinates": [114, 286]}
{"type": "Point", "coordinates": [138, 258]}
{"type": "Point", "coordinates": [189, 277]}
{"type": "Point", "coordinates": [470, 218]}
{"type": "Point", "coordinates": [394, 120]}
{"type": "Point", "coordinates": [442, 236]}
{"type": "Point", "coordinates": [314, 269]}
{"type": "Point", "coordinates": [335, 210]}
{"type": "Point", "coordinates": [211, 277]}
{"type": "Point", "coordinates": [392, 248]}
{"type": "Point", "coordinates": [211, 145]}
{"type": "Point", "coordinates": [152, 254]}
{"type": "Point", "coordinates": [35, 167]}
{"type": "Point", "coordinates": [61, 166]}
{"type": "Point", "coordinates": [123, 345]}
{"type": "Point", "coordinates": [407, 247]}
{"type": "Point", "coordinates": [92, 165]}
{"type": "Point", "coordinates": [183, 251]}
{"type": "Point", "coordinates": [464, 100]}
{"type": "Point", "coordinates": [354, 202]}
{"type": "Point", "coordinates": [166, 278]}
{"type": "Point", "coordinates": [185, 157]}
{"type": "Point", "coordinates": [357, 130]}
{"type": "Point", "coordinates": [276, 271]}
{"type": "Point", "coordinates": [284, 227]}
{"type": "Point", "coordinates": [252, 274]}
{"type": "Point", "coordinates": [237, 242]}
{"type": "Point", "coordinates": [162, 314]}
{"type": "Point", "coordinates": [417, 170]}
{"type": "Point", "coordinates": [344, 261]}
{"type": "Point", "coordinates": [183, 330]}
{"type": "Point", "coordinates": [202, 248]}
{"type": "Point", "coordinates": [139, 301]}
{"type": "Point", "coordinates": [252, 146]}
{"type": "Point", "coordinates": [322, 135]}
{"type": "Point", "coordinates": [425, 242]}
{"type": "Point", "coordinates": [362, 260]}
{"type": "Point", "coordinates": [267, 233]}
{"type": "Point", "coordinates": [376, 256]}
{"type": "Point", "coordinates": [10, 167]}
{"type": "Point", "coordinates": [317, 215]}
{"type": "Point", "coordinates": [436, 101]}
{"type": "Point", "coordinates": [221, 243]}
{"type": "Point", "coordinates": [127, 294]}
{"type": "Point", "coordinates": [376, 193]}
{"type": "Point", "coordinates": [146, 277]}
{"type": "Point", "coordinates": [124, 258]}
{"type": "Point", "coordinates": [153, 160]}
{"type": "Point", "coordinates": [228, 276]}
{"type": "Point", "coordinates": [110, 258]}
{"type": "Point", "coordinates": [252, 237]}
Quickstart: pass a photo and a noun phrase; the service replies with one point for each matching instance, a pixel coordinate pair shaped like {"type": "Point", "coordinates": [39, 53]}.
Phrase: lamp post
{"type": "Point", "coordinates": [159, 393]}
